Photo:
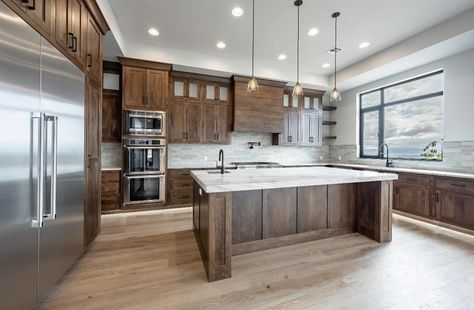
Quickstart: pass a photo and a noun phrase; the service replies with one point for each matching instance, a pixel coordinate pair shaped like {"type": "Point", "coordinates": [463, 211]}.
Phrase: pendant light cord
{"type": "Point", "coordinates": [298, 47]}
{"type": "Point", "coordinates": [253, 38]}
{"type": "Point", "coordinates": [335, 50]}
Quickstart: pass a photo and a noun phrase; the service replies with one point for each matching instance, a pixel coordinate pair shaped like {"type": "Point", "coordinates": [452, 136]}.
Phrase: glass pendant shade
{"type": "Point", "coordinates": [252, 85]}
{"type": "Point", "coordinates": [298, 90]}
{"type": "Point", "coordinates": [335, 95]}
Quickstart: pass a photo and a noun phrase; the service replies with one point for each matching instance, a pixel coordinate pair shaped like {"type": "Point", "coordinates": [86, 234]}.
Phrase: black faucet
{"type": "Point", "coordinates": [388, 163]}
{"type": "Point", "coordinates": [221, 159]}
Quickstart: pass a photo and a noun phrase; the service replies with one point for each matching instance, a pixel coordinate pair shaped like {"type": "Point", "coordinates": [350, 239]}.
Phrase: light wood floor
{"type": "Point", "coordinates": [150, 260]}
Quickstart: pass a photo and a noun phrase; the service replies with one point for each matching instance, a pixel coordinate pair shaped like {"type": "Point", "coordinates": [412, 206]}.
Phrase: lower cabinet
{"type": "Point", "coordinates": [413, 195]}
{"type": "Point", "coordinates": [455, 202]}
{"type": "Point", "coordinates": [180, 187]}
{"type": "Point", "coordinates": [111, 197]}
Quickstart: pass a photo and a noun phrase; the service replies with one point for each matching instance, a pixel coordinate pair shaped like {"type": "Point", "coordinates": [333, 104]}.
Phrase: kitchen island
{"type": "Point", "coordinates": [249, 210]}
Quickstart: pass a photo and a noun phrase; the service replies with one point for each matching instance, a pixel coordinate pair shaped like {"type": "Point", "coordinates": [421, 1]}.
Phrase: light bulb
{"type": "Point", "coordinates": [298, 90]}
{"type": "Point", "coordinates": [252, 85]}
{"type": "Point", "coordinates": [335, 95]}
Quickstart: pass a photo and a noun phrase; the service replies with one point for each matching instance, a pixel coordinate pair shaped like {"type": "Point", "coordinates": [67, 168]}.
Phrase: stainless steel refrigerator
{"type": "Point", "coordinates": [41, 163]}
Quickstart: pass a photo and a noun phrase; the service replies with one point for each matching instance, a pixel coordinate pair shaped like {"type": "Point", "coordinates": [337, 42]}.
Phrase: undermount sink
{"type": "Point", "coordinates": [217, 171]}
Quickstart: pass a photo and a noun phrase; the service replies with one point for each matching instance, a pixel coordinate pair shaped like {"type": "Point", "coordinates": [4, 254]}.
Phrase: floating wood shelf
{"type": "Point", "coordinates": [330, 138]}
{"type": "Point", "coordinates": [329, 108]}
{"type": "Point", "coordinates": [329, 123]}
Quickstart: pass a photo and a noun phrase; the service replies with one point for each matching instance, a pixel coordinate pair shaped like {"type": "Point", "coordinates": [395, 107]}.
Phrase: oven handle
{"type": "Point", "coordinates": [152, 176]}
{"type": "Point", "coordinates": [129, 147]}
{"type": "Point", "coordinates": [146, 116]}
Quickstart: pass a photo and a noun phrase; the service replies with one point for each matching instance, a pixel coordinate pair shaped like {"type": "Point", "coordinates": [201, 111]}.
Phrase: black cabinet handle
{"type": "Point", "coordinates": [89, 161]}
{"type": "Point", "coordinates": [311, 139]}
{"type": "Point", "coordinates": [184, 135]}
{"type": "Point", "coordinates": [145, 100]}
{"type": "Point", "coordinates": [70, 39]}
{"type": "Point", "coordinates": [290, 138]}
{"type": "Point", "coordinates": [89, 60]}
{"type": "Point", "coordinates": [437, 197]}
{"type": "Point", "coordinates": [29, 6]}
{"type": "Point", "coordinates": [217, 136]}
{"type": "Point", "coordinates": [74, 44]}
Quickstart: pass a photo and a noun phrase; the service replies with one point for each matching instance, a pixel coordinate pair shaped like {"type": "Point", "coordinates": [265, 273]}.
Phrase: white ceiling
{"type": "Point", "coordinates": [190, 29]}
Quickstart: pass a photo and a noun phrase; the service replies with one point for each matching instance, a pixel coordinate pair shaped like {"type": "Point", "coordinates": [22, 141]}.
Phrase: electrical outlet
{"type": "Point", "coordinates": [340, 157]}
{"type": "Point", "coordinates": [205, 158]}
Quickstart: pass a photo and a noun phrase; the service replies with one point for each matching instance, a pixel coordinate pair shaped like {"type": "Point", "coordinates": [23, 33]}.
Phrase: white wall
{"type": "Point", "coordinates": [458, 99]}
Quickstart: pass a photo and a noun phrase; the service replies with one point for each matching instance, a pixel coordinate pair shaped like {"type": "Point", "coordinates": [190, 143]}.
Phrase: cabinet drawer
{"type": "Point", "coordinates": [414, 179]}
{"type": "Point", "coordinates": [455, 185]}
{"type": "Point", "coordinates": [180, 173]}
{"type": "Point", "coordinates": [182, 197]}
{"type": "Point", "coordinates": [181, 184]}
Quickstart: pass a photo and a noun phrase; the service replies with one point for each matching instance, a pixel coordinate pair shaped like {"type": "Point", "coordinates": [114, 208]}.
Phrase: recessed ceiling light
{"type": "Point", "coordinates": [326, 65]}
{"type": "Point", "coordinates": [364, 44]}
{"type": "Point", "coordinates": [237, 11]}
{"type": "Point", "coordinates": [153, 31]}
{"type": "Point", "coordinates": [313, 31]}
{"type": "Point", "coordinates": [281, 57]}
{"type": "Point", "coordinates": [220, 44]}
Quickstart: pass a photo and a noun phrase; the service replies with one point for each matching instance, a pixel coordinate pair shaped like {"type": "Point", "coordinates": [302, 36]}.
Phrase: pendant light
{"type": "Point", "coordinates": [298, 90]}
{"type": "Point", "coordinates": [253, 84]}
{"type": "Point", "coordinates": [335, 94]}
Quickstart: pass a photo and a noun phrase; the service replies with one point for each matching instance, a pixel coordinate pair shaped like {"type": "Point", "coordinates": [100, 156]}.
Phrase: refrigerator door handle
{"type": "Point", "coordinates": [38, 221]}
{"type": "Point", "coordinates": [54, 176]}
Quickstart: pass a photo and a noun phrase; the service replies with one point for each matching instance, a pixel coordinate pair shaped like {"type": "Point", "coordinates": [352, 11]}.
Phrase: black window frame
{"type": "Point", "coordinates": [380, 108]}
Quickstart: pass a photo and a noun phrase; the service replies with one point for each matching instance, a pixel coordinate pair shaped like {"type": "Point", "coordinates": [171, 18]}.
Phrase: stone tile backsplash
{"type": "Point", "coordinates": [457, 157]}
{"type": "Point", "coordinates": [206, 155]}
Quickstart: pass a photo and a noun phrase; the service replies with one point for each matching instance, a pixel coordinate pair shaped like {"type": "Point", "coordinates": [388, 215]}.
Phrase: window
{"type": "Point", "coordinates": [407, 116]}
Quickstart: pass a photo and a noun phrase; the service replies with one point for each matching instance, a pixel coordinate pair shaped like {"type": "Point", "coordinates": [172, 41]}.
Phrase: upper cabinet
{"type": "Point", "coordinates": [93, 49]}
{"type": "Point", "coordinates": [144, 84]}
{"type": "Point", "coordinates": [70, 26]}
{"type": "Point", "coordinates": [302, 119]}
{"type": "Point", "coordinates": [260, 111]}
{"type": "Point", "coordinates": [199, 108]}
{"type": "Point", "coordinates": [40, 12]}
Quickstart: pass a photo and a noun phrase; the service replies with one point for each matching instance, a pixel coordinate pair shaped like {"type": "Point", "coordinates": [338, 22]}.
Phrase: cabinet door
{"type": "Point", "coordinates": [414, 199]}
{"type": "Point", "coordinates": [291, 127]}
{"type": "Point", "coordinates": [177, 128]}
{"type": "Point", "coordinates": [222, 124]}
{"type": "Point", "coordinates": [75, 11]}
{"type": "Point", "coordinates": [94, 50]}
{"type": "Point", "coordinates": [455, 208]}
{"type": "Point", "coordinates": [92, 162]}
{"type": "Point", "coordinates": [61, 23]}
{"type": "Point", "coordinates": [157, 82]}
{"type": "Point", "coordinates": [193, 122]}
{"type": "Point", "coordinates": [310, 128]}
{"type": "Point", "coordinates": [39, 11]}
{"type": "Point", "coordinates": [134, 83]}
{"type": "Point", "coordinates": [210, 122]}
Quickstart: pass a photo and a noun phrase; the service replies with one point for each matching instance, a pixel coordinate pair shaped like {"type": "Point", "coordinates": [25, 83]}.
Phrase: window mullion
{"type": "Point", "coordinates": [381, 120]}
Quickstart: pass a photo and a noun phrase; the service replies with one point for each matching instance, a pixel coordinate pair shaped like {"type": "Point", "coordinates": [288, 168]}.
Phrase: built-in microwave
{"type": "Point", "coordinates": [144, 123]}
{"type": "Point", "coordinates": [145, 156]}
{"type": "Point", "coordinates": [144, 189]}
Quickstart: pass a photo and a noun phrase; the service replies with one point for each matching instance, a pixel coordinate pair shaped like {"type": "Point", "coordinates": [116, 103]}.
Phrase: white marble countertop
{"type": "Point", "coordinates": [254, 179]}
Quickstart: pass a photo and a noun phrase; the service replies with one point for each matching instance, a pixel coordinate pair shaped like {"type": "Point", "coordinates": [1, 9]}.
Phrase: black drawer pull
{"type": "Point", "coordinates": [74, 44]}
{"type": "Point", "coordinates": [70, 39]}
{"type": "Point", "coordinates": [89, 60]}
{"type": "Point", "coordinates": [29, 6]}
{"type": "Point", "coordinates": [458, 185]}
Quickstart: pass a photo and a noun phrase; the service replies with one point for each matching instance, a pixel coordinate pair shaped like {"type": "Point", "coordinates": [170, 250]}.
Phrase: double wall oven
{"type": "Point", "coordinates": [144, 153]}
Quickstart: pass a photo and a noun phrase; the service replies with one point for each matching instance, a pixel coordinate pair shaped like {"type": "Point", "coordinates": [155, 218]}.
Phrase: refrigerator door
{"type": "Point", "coordinates": [19, 98]}
{"type": "Point", "coordinates": [62, 102]}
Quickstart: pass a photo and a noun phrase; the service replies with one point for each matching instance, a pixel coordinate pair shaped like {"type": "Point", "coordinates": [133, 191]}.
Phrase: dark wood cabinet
{"type": "Point", "coordinates": [144, 84]}
{"type": "Point", "coordinates": [40, 11]}
{"type": "Point", "coordinates": [93, 49]}
{"type": "Point", "coordinates": [111, 191]}
{"type": "Point", "coordinates": [69, 27]}
{"type": "Point", "coordinates": [455, 202]}
{"type": "Point", "coordinates": [111, 116]}
{"type": "Point", "coordinates": [216, 125]}
{"type": "Point", "coordinates": [92, 162]}
{"type": "Point", "coordinates": [180, 189]}
{"type": "Point", "coordinates": [185, 122]}
{"type": "Point", "coordinates": [259, 111]}
{"type": "Point", "coordinates": [413, 195]}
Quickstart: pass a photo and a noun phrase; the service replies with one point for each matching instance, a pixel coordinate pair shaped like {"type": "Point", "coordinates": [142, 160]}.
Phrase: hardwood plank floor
{"type": "Point", "coordinates": [150, 260]}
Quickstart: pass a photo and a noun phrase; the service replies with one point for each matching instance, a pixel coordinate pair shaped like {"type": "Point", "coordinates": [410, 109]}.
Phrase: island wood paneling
{"type": "Point", "coordinates": [279, 212]}
{"type": "Point", "coordinates": [312, 208]}
{"type": "Point", "coordinates": [246, 216]}
{"type": "Point", "coordinates": [341, 205]}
